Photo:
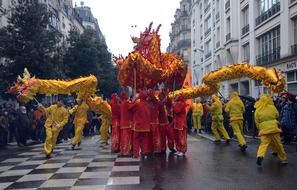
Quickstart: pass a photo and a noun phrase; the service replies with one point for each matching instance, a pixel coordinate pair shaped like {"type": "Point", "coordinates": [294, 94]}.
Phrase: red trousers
{"type": "Point", "coordinates": [181, 140]}
{"type": "Point", "coordinates": [166, 133]}
{"type": "Point", "coordinates": [115, 138]}
{"type": "Point", "coordinates": [126, 141]}
{"type": "Point", "coordinates": [141, 140]}
{"type": "Point", "coordinates": [156, 139]}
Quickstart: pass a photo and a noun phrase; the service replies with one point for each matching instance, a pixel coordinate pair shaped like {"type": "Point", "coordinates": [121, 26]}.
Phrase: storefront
{"type": "Point", "coordinates": [291, 76]}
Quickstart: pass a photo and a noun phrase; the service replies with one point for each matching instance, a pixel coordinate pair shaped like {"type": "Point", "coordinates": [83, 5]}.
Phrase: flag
{"type": "Point", "coordinates": [188, 84]}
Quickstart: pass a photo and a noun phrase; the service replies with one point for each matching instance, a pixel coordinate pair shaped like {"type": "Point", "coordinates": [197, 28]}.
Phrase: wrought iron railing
{"type": "Point", "coordinates": [267, 14]}
{"type": "Point", "coordinates": [245, 29]}
{"type": "Point", "coordinates": [268, 56]}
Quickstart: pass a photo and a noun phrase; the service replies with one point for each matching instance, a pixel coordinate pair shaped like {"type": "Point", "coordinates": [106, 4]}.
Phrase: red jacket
{"type": "Point", "coordinates": [126, 115]}
{"type": "Point", "coordinates": [163, 115]}
{"type": "Point", "coordinates": [115, 111]}
{"type": "Point", "coordinates": [141, 114]}
{"type": "Point", "coordinates": [180, 115]}
{"type": "Point", "coordinates": [154, 107]}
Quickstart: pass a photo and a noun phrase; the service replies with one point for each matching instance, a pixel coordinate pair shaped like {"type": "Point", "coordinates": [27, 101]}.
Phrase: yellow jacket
{"type": "Point", "coordinates": [81, 113]}
{"type": "Point", "coordinates": [56, 116]}
{"type": "Point", "coordinates": [217, 111]}
{"type": "Point", "coordinates": [266, 116]}
{"type": "Point", "coordinates": [235, 108]}
{"type": "Point", "coordinates": [197, 109]}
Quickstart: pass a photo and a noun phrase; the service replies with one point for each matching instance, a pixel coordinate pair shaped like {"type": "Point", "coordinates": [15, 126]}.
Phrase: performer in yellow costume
{"type": "Point", "coordinates": [105, 124]}
{"type": "Point", "coordinates": [266, 118]}
{"type": "Point", "coordinates": [197, 113]}
{"type": "Point", "coordinates": [217, 120]}
{"type": "Point", "coordinates": [57, 117]}
{"type": "Point", "coordinates": [235, 108]}
{"type": "Point", "coordinates": [80, 119]}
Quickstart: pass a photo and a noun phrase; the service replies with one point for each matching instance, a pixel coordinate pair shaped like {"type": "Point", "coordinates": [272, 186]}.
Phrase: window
{"type": "Point", "coordinates": [295, 31]}
{"type": "Point", "coordinates": [245, 16]}
{"type": "Point", "coordinates": [228, 25]}
{"type": "Point", "coordinates": [207, 24]}
{"type": "Point", "coordinates": [246, 52]}
{"type": "Point", "coordinates": [265, 5]}
{"type": "Point", "coordinates": [269, 41]}
{"type": "Point", "coordinates": [269, 47]}
{"type": "Point", "coordinates": [228, 29]}
{"type": "Point", "coordinates": [292, 81]}
{"type": "Point", "coordinates": [218, 34]}
{"type": "Point", "coordinates": [291, 76]}
{"type": "Point", "coordinates": [267, 8]}
{"type": "Point", "coordinates": [208, 49]}
{"type": "Point", "coordinates": [294, 46]}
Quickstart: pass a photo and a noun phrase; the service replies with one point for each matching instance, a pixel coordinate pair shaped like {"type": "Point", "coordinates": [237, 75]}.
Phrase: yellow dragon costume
{"type": "Point", "coordinates": [27, 87]}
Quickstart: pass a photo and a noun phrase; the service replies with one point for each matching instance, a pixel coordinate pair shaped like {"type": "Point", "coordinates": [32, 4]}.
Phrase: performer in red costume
{"type": "Point", "coordinates": [166, 130]}
{"type": "Point", "coordinates": [115, 123]}
{"type": "Point", "coordinates": [125, 126]}
{"type": "Point", "coordinates": [180, 125]}
{"type": "Point", "coordinates": [141, 118]}
{"type": "Point", "coordinates": [155, 132]}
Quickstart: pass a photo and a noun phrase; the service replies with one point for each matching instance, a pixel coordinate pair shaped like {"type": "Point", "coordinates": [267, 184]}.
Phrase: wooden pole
{"type": "Point", "coordinates": [134, 81]}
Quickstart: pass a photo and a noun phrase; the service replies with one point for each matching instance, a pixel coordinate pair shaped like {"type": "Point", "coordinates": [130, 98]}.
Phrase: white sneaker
{"type": "Point", "coordinates": [180, 154]}
{"type": "Point", "coordinates": [284, 162]}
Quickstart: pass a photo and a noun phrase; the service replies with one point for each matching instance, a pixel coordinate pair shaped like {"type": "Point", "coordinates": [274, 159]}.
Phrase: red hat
{"type": "Point", "coordinates": [180, 98]}
{"type": "Point", "coordinates": [123, 95]}
{"type": "Point", "coordinates": [143, 95]}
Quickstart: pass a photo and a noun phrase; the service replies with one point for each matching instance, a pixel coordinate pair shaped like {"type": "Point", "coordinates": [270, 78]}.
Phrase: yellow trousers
{"type": "Point", "coordinates": [51, 139]}
{"type": "Point", "coordinates": [216, 127]}
{"type": "Point", "coordinates": [197, 121]}
{"type": "Point", "coordinates": [78, 134]}
{"type": "Point", "coordinates": [105, 123]}
{"type": "Point", "coordinates": [237, 127]}
{"type": "Point", "coordinates": [275, 142]}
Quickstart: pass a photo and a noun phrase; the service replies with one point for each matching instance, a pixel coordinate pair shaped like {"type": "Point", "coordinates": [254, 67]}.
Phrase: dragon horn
{"type": "Point", "coordinates": [26, 74]}
{"type": "Point", "coordinates": [19, 79]}
{"type": "Point", "coordinates": [158, 28]}
{"type": "Point", "coordinates": [150, 27]}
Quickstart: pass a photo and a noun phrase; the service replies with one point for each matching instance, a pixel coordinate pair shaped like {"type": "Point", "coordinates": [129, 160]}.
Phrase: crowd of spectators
{"type": "Point", "coordinates": [18, 124]}
{"type": "Point", "coordinates": [286, 105]}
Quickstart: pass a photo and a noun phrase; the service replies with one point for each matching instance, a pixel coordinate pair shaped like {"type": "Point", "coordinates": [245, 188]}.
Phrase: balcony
{"type": "Point", "coordinates": [228, 37]}
{"type": "Point", "coordinates": [207, 8]}
{"type": "Point", "coordinates": [245, 29]}
{"type": "Point", "coordinates": [208, 55]}
{"type": "Point", "coordinates": [207, 32]}
{"type": "Point", "coordinates": [227, 5]}
{"type": "Point", "coordinates": [267, 14]}
{"type": "Point", "coordinates": [292, 1]}
{"type": "Point", "coordinates": [218, 44]}
{"type": "Point", "coordinates": [294, 49]}
{"type": "Point", "coordinates": [268, 57]}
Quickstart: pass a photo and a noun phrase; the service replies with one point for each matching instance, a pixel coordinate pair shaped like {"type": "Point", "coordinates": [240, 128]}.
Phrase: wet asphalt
{"type": "Point", "coordinates": [209, 166]}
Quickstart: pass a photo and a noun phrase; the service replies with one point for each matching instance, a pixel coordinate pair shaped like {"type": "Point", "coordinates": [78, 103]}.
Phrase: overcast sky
{"type": "Point", "coordinates": [115, 18]}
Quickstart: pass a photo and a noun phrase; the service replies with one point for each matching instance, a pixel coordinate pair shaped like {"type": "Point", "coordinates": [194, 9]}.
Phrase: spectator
{"type": "Point", "coordinates": [38, 121]}
{"type": "Point", "coordinates": [287, 119]}
{"type": "Point", "coordinates": [4, 125]}
{"type": "Point", "coordinates": [32, 128]}
{"type": "Point", "coordinates": [23, 125]}
{"type": "Point", "coordinates": [13, 130]}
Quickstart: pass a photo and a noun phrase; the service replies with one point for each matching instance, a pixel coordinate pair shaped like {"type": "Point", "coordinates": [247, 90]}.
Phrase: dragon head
{"type": "Point", "coordinates": [143, 42]}
{"type": "Point", "coordinates": [25, 88]}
